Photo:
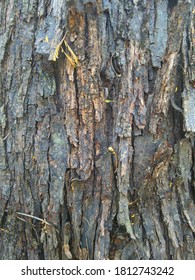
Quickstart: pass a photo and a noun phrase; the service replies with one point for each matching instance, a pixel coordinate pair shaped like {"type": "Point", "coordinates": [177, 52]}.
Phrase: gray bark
{"type": "Point", "coordinates": [97, 160]}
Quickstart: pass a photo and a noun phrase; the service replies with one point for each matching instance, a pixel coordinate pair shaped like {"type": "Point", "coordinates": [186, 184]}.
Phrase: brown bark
{"type": "Point", "coordinates": [97, 160]}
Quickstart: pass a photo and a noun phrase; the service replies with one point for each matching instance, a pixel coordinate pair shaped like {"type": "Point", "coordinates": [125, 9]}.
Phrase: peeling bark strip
{"type": "Point", "coordinates": [95, 162]}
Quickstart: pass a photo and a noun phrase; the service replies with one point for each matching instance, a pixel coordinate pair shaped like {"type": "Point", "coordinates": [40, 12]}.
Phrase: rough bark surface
{"type": "Point", "coordinates": [97, 161]}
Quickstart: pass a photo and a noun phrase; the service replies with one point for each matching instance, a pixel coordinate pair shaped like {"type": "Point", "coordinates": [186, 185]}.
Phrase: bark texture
{"type": "Point", "coordinates": [97, 161]}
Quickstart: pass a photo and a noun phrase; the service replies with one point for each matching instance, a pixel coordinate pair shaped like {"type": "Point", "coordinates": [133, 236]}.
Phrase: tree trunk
{"type": "Point", "coordinates": [97, 155]}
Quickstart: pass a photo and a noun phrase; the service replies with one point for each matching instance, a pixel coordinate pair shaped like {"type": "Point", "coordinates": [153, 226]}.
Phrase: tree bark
{"type": "Point", "coordinates": [97, 156]}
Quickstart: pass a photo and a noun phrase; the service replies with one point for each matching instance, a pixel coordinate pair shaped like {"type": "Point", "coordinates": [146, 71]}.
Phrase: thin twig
{"type": "Point", "coordinates": [175, 106]}
{"type": "Point", "coordinates": [5, 137]}
{"type": "Point", "coordinates": [33, 217]}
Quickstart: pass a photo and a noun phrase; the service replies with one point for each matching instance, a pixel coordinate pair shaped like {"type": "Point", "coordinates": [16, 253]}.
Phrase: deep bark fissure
{"type": "Point", "coordinates": [48, 162]}
{"type": "Point", "coordinates": [59, 106]}
{"type": "Point", "coordinates": [77, 97]}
